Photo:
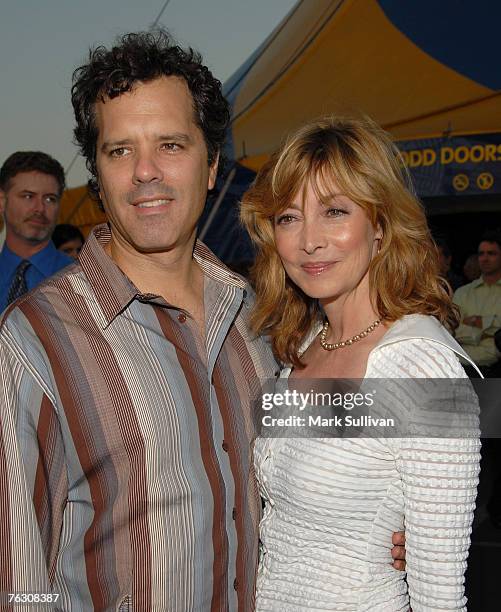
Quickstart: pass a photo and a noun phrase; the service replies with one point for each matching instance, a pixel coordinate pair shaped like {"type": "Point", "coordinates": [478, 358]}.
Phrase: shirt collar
{"type": "Point", "coordinates": [9, 259]}
{"type": "Point", "coordinates": [214, 268]}
{"type": "Point", "coordinates": [114, 291]}
{"type": "Point", "coordinates": [422, 327]}
{"type": "Point", "coordinates": [479, 282]}
{"type": "Point", "coordinates": [43, 261]}
{"type": "Point", "coordinates": [409, 327]}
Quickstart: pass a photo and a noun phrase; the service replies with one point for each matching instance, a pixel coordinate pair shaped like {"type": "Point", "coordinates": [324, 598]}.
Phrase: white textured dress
{"type": "Point", "coordinates": [332, 505]}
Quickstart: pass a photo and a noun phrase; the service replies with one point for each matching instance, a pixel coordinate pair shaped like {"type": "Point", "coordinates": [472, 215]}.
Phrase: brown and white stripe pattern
{"type": "Point", "coordinates": [125, 470]}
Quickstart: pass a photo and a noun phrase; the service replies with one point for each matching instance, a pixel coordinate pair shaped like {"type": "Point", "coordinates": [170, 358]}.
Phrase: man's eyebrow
{"type": "Point", "coordinates": [50, 194]}
{"type": "Point", "coordinates": [174, 136]}
{"type": "Point", "coordinates": [114, 143]}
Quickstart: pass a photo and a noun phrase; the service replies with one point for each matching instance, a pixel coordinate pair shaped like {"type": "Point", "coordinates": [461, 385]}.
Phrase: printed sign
{"type": "Point", "coordinates": [460, 165]}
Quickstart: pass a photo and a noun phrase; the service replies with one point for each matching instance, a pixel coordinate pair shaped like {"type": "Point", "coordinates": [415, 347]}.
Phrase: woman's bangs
{"type": "Point", "coordinates": [288, 179]}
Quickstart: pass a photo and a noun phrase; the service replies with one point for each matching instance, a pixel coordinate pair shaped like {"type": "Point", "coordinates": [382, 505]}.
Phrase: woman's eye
{"type": "Point", "coordinates": [335, 212]}
{"type": "Point", "coordinates": [284, 219]}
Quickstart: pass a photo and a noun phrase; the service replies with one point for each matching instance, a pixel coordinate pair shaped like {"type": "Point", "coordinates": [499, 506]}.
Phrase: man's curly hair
{"type": "Point", "coordinates": [145, 56]}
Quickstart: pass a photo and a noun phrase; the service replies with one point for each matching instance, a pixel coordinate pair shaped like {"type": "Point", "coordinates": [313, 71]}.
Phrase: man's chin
{"type": "Point", "coordinates": [161, 245]}
{"type": "Point", "coordinates": [37, 238]}
{"type": "Point", "coordinates": [150, 250]}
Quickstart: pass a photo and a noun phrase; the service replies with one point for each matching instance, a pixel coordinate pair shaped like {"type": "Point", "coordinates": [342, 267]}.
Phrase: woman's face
{"type": "Point", "coordinates": [326, 248]}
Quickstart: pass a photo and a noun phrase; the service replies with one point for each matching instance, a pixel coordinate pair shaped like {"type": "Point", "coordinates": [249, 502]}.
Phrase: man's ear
{"type": "Point", "coordinates": [213, 172]}
{"type": "Point", "coordinates": [3, 197]}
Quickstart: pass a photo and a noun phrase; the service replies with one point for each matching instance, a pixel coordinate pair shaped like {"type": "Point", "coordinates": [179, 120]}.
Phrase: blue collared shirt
{"type": "Point", "coordinates": [45, 263]}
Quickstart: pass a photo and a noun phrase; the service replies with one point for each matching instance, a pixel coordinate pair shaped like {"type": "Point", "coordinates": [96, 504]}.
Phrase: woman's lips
{"type": "Point", "coordinates": [314, 269]}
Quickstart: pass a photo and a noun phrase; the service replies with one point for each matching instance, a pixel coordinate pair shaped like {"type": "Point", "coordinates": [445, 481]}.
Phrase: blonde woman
{"type": "Point", "coordinates": [347, 286]}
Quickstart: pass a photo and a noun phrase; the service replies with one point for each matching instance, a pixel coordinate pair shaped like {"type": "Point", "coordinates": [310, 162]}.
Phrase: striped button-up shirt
{"type": "Point", "coordinates": [126, 480]}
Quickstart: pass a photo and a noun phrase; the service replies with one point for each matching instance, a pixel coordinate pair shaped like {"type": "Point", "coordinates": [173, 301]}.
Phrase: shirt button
{"type": "Point", "coordinates": [236, 584]}
{"type": "Point", "coordinates": [225, 446]}
{"type": "Point", "coordinates": [234, 513]}
{"type": "Point", "coordinates": [181, 317]}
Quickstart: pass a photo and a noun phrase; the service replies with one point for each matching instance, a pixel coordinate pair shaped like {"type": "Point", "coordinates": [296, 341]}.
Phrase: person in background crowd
{"type": "Point", "coordinates": [454, 279]}
{"type": "Point", "coordinates": [68, 239]}
{"type": "Point", "coordinates": [471, 269]}
{"type": "Point", "coordinates": [31, 185]}
{"type": "Point", "coordinates": [479, 333]}
{"type": "Point", "coordinates": [479, 303]}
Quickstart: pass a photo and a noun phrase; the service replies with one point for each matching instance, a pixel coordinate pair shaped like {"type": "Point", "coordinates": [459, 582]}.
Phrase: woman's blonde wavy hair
{"type": "Point", "coordinates": [367, 167]}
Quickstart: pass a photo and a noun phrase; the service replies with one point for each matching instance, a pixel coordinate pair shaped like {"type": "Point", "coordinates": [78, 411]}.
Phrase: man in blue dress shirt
{"type": "Point", "coordinates": [31, 185]}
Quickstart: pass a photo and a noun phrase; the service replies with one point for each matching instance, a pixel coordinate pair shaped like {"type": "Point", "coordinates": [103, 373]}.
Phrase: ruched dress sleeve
{"type": "Point", "coordinates": [439, 474]}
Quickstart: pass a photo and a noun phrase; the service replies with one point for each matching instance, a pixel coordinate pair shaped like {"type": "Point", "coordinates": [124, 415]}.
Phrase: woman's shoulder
{"type": "Point", "coordinates": [418, 346]}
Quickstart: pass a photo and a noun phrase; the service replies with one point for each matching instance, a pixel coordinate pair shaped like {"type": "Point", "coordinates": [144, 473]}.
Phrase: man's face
{"type": "Point", "coordinates": [30, 205]}
{"type": "Point", "coordinates": [489, 258]}
{"type": "Point", "coordinates": [153, 173]}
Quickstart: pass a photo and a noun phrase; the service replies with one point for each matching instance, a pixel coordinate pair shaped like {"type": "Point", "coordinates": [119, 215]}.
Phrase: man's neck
{"type": "Point", "coordinates": [22, 248]}
{"type": "Point", "coordinates": [491, 279]}
{"type": "Point", "coordinates": [174, 275]}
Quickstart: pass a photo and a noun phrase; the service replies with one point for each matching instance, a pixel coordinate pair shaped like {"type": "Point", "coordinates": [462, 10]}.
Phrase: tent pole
{"type": "Point", "coordinates": [217, 203]}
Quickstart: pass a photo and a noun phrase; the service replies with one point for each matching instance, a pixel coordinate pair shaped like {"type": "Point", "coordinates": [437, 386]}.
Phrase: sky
{"type": "Point", "coordinates": [42, 42]}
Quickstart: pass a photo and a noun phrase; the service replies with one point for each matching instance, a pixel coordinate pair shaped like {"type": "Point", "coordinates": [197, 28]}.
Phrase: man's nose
{"type": "Point", "coordinates": [146, 169]}
{"type": "Point", "coordinates": [38, 204]}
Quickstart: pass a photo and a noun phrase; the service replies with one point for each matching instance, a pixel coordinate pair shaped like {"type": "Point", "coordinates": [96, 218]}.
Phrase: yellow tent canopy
{"type": "Point", "coordinates": [78, 208]}
{"type": "Point", "coordinates": [394, 61]}
{"type": "Point", "coordinates": [427, 71]}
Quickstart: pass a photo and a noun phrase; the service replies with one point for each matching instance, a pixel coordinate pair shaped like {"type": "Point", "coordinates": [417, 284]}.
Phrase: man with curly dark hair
{"type": "Point", "coordinates": [125, 382]}
{"type": "Point", "coordinates": [112, 73]}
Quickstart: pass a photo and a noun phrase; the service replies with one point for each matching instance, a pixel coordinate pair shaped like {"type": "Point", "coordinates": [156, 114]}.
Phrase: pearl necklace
{"type": "Point", "coordinates": [327, 346]}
